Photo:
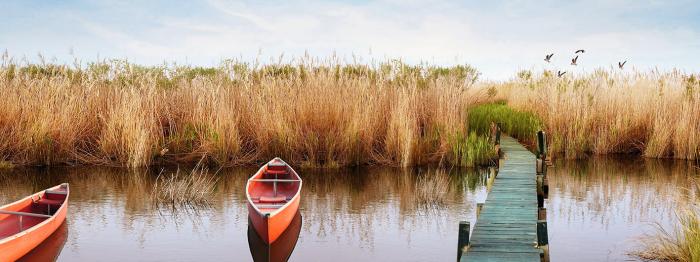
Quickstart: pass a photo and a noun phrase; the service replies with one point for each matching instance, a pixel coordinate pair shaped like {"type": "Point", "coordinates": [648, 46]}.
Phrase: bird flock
{"type": "Point", "coordinates": [574, 61]}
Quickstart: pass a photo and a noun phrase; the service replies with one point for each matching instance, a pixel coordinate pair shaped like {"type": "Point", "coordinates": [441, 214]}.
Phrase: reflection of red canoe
{"type": "Point", "coordinates": [273, 198]}
{"type": "Point", "coordinates": [280, 250]}
{"type": "Point", "coordinates": [50, 248]}
{"type": "Point", "coordinates": [28, 222]}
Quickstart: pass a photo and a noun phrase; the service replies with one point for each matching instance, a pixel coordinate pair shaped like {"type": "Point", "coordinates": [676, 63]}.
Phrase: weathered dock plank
{"type": "Point", "coordinates": [506, 228]}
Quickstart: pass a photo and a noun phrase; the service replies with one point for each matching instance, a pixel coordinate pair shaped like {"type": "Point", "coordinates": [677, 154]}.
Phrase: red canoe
{"type": "Point", "coordinates": [28, 222]}
{"type": "Point", "coordinates": [273, 199]}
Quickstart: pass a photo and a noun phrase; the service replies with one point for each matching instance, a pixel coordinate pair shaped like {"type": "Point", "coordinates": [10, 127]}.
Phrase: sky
{"type": "Point", "coordinates": [499, 38]}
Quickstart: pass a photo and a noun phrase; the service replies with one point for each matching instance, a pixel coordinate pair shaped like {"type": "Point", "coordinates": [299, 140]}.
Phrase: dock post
{"type": "Point", "coordinates": [545, 187]}
{"type": "Point", "coordinates": [498, 133]}
{"type": "Point", "coordinates": [463, 240]}
{"type": "Point", "coordinates": [542, 214]}
{"type": "Point", "coordinates": [540, 191]}
{"type": "Point", "coordinates": [497, 143]}
{"type": "Point", "coordinates": [542, 164]}
{"type": "Point", "coordinates": [543, 240]}
{"type": "Point", "coordinates": [541, 145]}
{"type": "Point", "coordinates": [479, 207]}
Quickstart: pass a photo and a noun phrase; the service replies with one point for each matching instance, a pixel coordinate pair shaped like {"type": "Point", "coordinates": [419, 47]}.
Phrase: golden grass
{"type": "Point", "coordinates": [325, 113]}
{"type": "Point", "coordinates": [682, 243]}
{"type": "Point", "coordinates": [311, 113]}
{"type": "Point", "coordinates": [653, 113]}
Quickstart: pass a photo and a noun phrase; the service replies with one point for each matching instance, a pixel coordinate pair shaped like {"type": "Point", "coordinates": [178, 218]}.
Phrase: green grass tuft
{"type": "Point", "coordinates": [519, 124]}
{"type": "Point", "coordinates": [473, 150]}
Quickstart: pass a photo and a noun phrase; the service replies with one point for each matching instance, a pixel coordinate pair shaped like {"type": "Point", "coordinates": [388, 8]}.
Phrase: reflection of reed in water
{"type": "Point", "coordinates": [347, 206]}
{"type": "Point", "coordinates": [432, 188]}
{"type": "Point", "coordinates": [680, 242]}
{"type": "Point", "coordinates": [102, 196]}
{"type": "Point", "coordinates": [601, 189]}
{"type": "Point", "coordinates": [350, 207]}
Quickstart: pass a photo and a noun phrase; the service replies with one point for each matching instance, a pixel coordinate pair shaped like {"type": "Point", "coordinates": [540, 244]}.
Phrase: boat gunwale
{"type": "Point", "coordinates": [273, 213]}
{"type": "Point", "coordinates": [39, 225]}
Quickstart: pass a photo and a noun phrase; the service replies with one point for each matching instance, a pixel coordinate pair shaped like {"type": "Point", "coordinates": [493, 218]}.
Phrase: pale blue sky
{"type": "Point", "coordinates": [498, 37]}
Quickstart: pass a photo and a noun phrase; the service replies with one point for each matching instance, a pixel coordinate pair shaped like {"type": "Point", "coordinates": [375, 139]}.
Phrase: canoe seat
{"type": "Point", "coordinates": [53, 202]}
{"type": "Point", "coordinates": [276, 172]}
{"type": "Point", "coordinates": [56, 192]}
{"type": "Point", "coordinates": [273, 199]}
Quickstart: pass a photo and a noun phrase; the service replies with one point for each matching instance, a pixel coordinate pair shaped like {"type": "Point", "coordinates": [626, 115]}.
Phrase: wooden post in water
{"type": "Point", "coordinates": [543, 240]}
{"type": "Point", "coordinates": [479, 207]}
{"type": "Point", "coordinates": [545, 186]}
{"type": "Point", "coordinates": [463, 239]}
{"type": "Point", "coordinates": [541, 145]}
{"type": "Point", "coordinates": [540, 191]}
{"type": "Point", "coordinates": [542, 163]}
{"type": "Point", "coordinates": [542, 213]}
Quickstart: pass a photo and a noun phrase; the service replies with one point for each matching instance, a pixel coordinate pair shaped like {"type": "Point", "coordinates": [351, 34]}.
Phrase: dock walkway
{"type": "Point", "coordinates": [506, 227]}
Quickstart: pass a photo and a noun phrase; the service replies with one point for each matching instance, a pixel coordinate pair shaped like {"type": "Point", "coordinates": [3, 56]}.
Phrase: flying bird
{"type": "Point", "coordinates": [560, 73]}
{"type": "Point", "coordinates": [573, 61]}
{"type": "Point", "coordinates": [580, 51]}
{"type": "Point", "coordinates": [548, 57]}
{"type": "Point", "coordinates": [621, 64]}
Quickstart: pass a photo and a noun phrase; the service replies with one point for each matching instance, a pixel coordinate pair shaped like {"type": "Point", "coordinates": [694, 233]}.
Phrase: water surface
{"type": "Point", "coordinates": [369, 214]}
{"type": "Point", "coordinates": [595, 211]}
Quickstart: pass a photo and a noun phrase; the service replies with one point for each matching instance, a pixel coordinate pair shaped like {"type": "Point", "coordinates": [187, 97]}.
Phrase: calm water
{"type": "Point", "coordinates": [596, 209]}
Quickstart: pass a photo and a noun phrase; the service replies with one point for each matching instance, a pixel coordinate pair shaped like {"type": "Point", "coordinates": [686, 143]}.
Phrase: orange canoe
{"type": "Point", "coordinates": [28, 222]}
{"type": "Point", "coordinates": [273, 199]}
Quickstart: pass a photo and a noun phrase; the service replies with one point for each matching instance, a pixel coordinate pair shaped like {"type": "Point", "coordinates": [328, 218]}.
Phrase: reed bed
{"type": "Point", "coordinates": [311, 112]}
{"type": "Point", "coordinates": [656, 114]}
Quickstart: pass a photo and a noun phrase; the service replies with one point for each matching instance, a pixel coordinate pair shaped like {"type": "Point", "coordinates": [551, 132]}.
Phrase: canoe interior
{"type": "Point", "coordinates": [270, 195]}
{"type": "Point", "coordinates": [44, 203]}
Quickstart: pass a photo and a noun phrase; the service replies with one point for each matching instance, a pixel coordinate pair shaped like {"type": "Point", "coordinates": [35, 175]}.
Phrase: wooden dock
{"type": "Point", "coordinates": [507, 223]}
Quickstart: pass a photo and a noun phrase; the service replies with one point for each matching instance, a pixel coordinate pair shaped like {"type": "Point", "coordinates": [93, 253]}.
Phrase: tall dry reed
{"type": "Point", "coordinates": [653, 113]}
{"type": "Point", "coordinates": [310, 112]}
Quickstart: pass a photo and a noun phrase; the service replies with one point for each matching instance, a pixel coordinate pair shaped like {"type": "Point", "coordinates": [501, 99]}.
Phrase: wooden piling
{"type": "Point", "coordinates": [498, 134]}
{"type": "Point", "coordinates": [542, 146]}
{"type": "Point", "coordinates": [479, 207]}
{"type": "Point", "coordinates": [463, 240]}
{"type": "Point", "coordinates": [545, 187]}
{"type": "Point", "coordinates": [542, 238]}
{"type": "Point", "coordinates": [540, 191]}
{"type": "Point", "coordinates": [541, 214]}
